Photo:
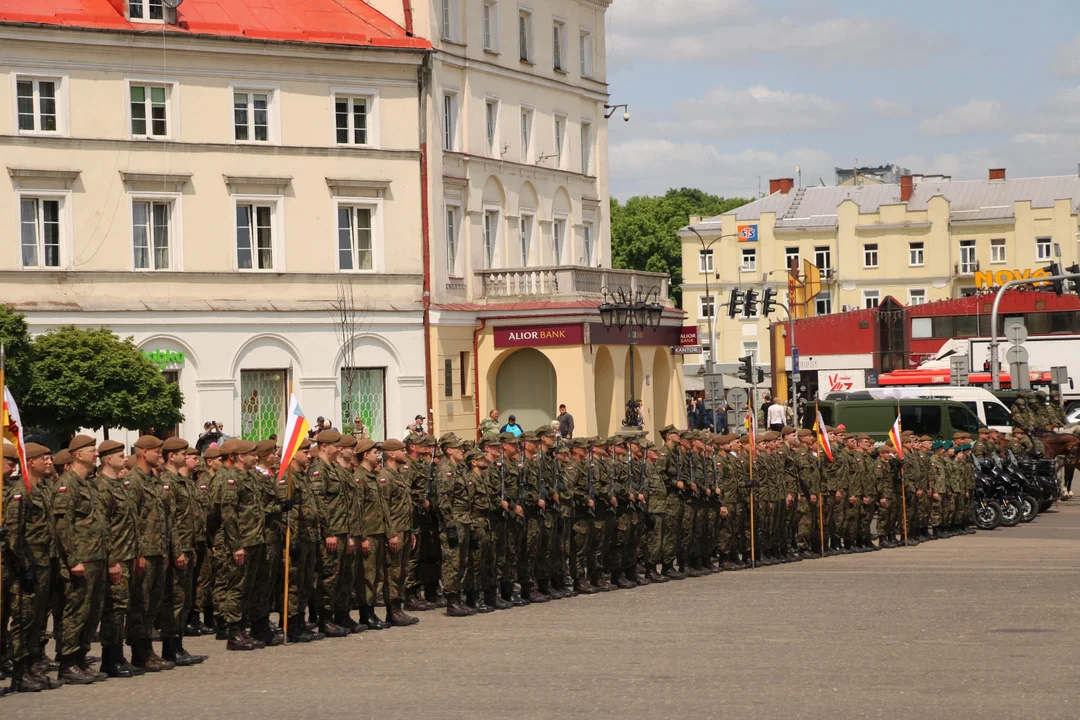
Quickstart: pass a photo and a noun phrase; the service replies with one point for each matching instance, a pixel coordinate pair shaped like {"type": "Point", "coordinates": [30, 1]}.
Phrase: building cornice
{"type": "Point", "coordinates": [496, 164]}
{"type": "Point", "coordinates": [600, 94]}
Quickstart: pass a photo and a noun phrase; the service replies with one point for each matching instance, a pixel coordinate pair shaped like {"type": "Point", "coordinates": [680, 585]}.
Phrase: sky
{"type": "Point", "coordinates": [724, 92]}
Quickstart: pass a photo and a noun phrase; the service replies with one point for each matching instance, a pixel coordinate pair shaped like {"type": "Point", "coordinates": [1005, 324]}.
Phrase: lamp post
{"type": "Point", "coordinates": [708, 367]}
{"type": "Point", "coordinates": [641, 309]}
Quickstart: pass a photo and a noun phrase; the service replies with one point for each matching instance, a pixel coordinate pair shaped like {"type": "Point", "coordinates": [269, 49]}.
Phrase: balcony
{"type": "Point", "coordinates": [965, 268]}
{"type": "Point", "coordinates": [564, 282]}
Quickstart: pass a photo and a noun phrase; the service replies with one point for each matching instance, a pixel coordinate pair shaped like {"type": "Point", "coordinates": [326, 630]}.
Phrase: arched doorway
{"type": "Point", "coordinates": [526, 387]}
{"type": "Point", "coordinates": [661, 383]}
{"type": "Point", "coordinates": [604, 390]}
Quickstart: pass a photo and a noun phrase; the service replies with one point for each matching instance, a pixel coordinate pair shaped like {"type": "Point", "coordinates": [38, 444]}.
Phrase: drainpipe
{"type": "Point", "coordinates": [476, 370]}
{"type": "Point", "coordinates": [408, 17]}
{"type": "Point", "coordinates": [422, 75]}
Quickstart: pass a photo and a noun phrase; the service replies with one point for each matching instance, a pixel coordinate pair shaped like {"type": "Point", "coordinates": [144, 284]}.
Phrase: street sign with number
{"type": "Point", "coordinates": [795, 362]}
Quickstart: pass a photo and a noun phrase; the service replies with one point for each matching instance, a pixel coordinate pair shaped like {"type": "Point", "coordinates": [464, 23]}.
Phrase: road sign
{"type": "Point", "coordinates": [959, 366]}
{"type": "Point", "coordinates": [737, 397]}
{"type": "Point", "coordinates": [795, 362]}
{"type": "Point", "coordinates": [1016, 354]}
{"type": "Point", "coordinates": [796, 376]}
{"type": "Point", "coordinates": [1016, 332]}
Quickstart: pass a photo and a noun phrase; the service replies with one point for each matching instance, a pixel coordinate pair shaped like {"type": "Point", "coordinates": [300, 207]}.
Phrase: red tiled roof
{"type": "Point", "coordinates": [327, 22]}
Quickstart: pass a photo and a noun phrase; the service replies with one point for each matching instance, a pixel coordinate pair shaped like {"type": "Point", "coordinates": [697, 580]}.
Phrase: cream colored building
{"type": "Point", "coordinates": [921, 240]}
{"type": "Point", "coordinates": [210, 189]}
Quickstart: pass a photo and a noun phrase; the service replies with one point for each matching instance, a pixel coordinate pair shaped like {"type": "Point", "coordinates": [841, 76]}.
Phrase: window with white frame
{"type": "Point", "coordinates": [823, 305]}
{"type": "Point", "coordinates": [558, 240]}
{"type": "Point", "coordinates": [525, 223]}
{"type": "Point", "coordinates": [491, 236]}
{"type": "Point", "coordinates": [560, 139]}
{"type": "Point", "coordinates": [448, 20]}
{"type": "Point", "coordinates": [525, 43]}
{"type": "Point", "coordinates": [587, 244]}
{"type": "Point", "coordinates": [526, 134]}
{"type": "Point", "coordinates": [491, 26]}
{"type": "Point", "coordinates": [823, 257]}
{"type": "Point", "coordinates": [870, 255]}
{"type": "Point", "coordinates": [749, 260]}
{"type": "Point", "coordinates": [916, 256]}
{"type": "Point", "coordinates": [450, 114]}
{"type": "Point", "coordinates": [585, 49]}
{"type": "Point", "coordinates": [451, 240]}
{"type": "Point", "coordinates": [146, 9]}
{"type": "Point", "coordinates": [151, 233]}
{"type": "Point", "coordinates": [791, 254]}
{"type": "Point", "coordinates": [255, 235]}
{"type": "Point", "coordinates": [997, 250]}
{"type": "Point", "coordinates": [871, 298]}
{"type": "Point", "coordinates": [750, 347]}
{"type": "Point", "coordinates": [558, 46]}
{"type": "Point", "coordinates": [353, 119]}
{"type": "Point", "coordinates": [916, 296]}
{"type": "Point", "coordinates": [356, 237]}
{"type": "Point", "coordinates": [968, 263]}
{"type": "Point", "coordinates": [706, 306]}
{"type": "Point", "coordinates": [251, 115]}
{"type": "Point", "coordinates": [37, 104]}
{"type": "Point", "coordinates": [491, 125]}
{"type": "Point", "coordinates": [705, 261]}
{"type": "Point", "coordinates": [39, 226]}
{"type": "Point", "coordinates": [1042, 248]}
{"type": "Point", "coordinates": [149, 110]}
{"type": "Point", "coordinates": [586, 148]}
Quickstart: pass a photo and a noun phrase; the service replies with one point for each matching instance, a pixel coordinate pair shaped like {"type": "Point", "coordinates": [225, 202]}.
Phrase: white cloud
{"type": "Point", "coordinates": [974, 116]}
{"type": "Point", "coordinates": [754, 110]}
{"type": "Point", "coordinates": [890, 108]}
{"type": "Point", "coordinates": [1068, 59]}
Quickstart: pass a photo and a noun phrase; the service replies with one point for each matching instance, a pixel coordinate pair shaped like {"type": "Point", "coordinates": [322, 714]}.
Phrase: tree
{"type": "Point", "coordinates": [350, 323]}
{"type": "Point", "coordinates": [645, 231]}
{"type": "Point", "coordinates": [93, 379]}
{"type": "Point", "coordinates": [18, 351]}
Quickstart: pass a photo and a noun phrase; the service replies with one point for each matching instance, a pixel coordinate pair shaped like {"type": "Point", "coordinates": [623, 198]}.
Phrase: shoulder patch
{"type": "Point", "coordinates": [315, 474]}
{"type": "Point", "coordinates": [62, 488]}
{"type": "Point", "coordinates": [280, 482]}
{"type": "Point", "coordinates": [202, 487]}
{"type": "Point", "coordinates": [128, 482]}
{"type": "Point", "coordinates": [230, 481]}
{"type": "Point", "coordinates": [16, 497]}
{"type": "Point", "coordinates": [164, 487]}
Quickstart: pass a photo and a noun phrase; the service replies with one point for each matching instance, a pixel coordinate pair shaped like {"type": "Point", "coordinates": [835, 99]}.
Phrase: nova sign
{"type": "Point", "coordinates": [986, 278]}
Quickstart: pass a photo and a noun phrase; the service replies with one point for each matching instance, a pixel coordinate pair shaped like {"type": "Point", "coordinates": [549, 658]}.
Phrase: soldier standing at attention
{"type": "Point", "coordinates": [397, 495]}
{"type": "Point", "coordinates": [326, 481]}
{"type": "Point", "coordinates": [580, 476]}
{"type": "Point", "coordinates": [304, 517]}
{"type": "Point", "coordinates": [415, 474]}
{"type": "Point", "coordinates": [454, 501]}
{"type": "Point", "coordinates": [667, 465]}
{"type": "Point", "coordinates": [498, 518]}
{"type": "Point", "coordinates": [480, 578]}
{"type": "Point", "coordinates": [243, 535]}
{"type": "Point", "coordinates": [273, 495]}
{"type": "Point", "coordinates": [376, 535]}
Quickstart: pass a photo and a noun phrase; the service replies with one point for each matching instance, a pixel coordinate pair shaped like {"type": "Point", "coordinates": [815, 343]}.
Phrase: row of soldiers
{"type": "Point", "coordinates": [1036, 412]}
{"type": "Point", "coordinates": [139, 547]}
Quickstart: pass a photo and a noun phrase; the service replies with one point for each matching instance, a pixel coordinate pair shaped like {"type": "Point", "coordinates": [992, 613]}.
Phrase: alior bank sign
{"type": "Point", "coordinates": [995, 278]}
{"type": "Point", "coordinates": [540, 335]}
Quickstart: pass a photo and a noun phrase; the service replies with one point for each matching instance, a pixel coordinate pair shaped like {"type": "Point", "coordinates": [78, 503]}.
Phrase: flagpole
{"type": "Point", "coordinates": [288, 547]}
{"type": "Point", "coordinates": [3, 430]}
{"type": "Point", "coordinates": [753, 439]}
{"type": "Point", "coordinates": [903, 490]}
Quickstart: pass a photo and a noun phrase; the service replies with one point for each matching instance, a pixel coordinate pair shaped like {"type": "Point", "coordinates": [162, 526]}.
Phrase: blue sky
{"type": "Point", "coordinates": [724, 91]}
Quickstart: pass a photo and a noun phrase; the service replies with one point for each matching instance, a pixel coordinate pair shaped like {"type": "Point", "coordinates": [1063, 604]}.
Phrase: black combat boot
{"type": "Point", "coordinates": [22, 680]}
{"type": "Point", "coordinates": [481, 605]}
{"type": "Point", "coordinates": [369, 618]}
{"type": "Point", "coordinates": [71, 673]}
{"type": "Point", "coordinates": [184, 655]}
{"type": "Point", "coordinates": [297, 633]}
{"type": "Point", "coordinates": [495, 600]}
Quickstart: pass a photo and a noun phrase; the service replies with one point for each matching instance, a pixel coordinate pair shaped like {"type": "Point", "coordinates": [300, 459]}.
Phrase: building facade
{"type": "Point", "coordinates": [239, 195]}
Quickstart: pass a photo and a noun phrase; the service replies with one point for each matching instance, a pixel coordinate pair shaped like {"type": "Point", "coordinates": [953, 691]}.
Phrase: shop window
{"type": "Point", "coordinates": [967, 326]}
{"type": "Point", "coordinates": [363, 395]}
{"type": "Point", "coordinates": [943, 327]}
{"type": "Point", "coordinates": [922, 328]}
{"type": "Point", "coordinates": [263, 395]}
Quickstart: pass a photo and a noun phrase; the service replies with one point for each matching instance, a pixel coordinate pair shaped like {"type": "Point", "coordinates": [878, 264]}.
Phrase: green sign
{"type": "Point", "coordinates": [161, 358]}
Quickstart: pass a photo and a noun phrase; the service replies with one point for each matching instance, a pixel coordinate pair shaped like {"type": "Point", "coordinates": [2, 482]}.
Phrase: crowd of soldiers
{"type": "Point", "coordinates": [1037, 412]}
{"type": "Point", "coordinates": [167, 542]}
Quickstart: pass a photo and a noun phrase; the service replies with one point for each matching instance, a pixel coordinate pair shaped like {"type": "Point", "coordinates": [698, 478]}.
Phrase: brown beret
{"type": "Point", "coordinates": [32, 450]}
{"type": "Point", "coordinates": [148, 442]}
{"type": "Point", "coordinates": [362, 446]}
{"type": "Point", "coordinates": [803, 432]}
{"type": "Point", "coordinates": [770, 436]}
{"type": "Point", "coordinates": [237, 446]}
{"type": "Point", "coordinates": [265, 447]}
{"type": "Point", "coordinates": [862, 436]}
{"type": "Point", "coordinates": [328, 437]}
{"type": "Point", "coordinates": [130, 462]}
{"type": "Point", "coordinates": [925, 438]}
{"type": "Point", "coordinates": [348, 441]}
{"type": "Point", "coordinates": [305, 444]}
{"type": "Point", "coordinates": [63, 457]}
{"type": "Point", "coordinates": [212, 452]}
{"type": "Point", "coordinates": [80, 442]}
{"type": "Point", "coordinates": [109, 447]}
{"type": "Point", "coordinates": [10, 452]}
{"type": "Point", "coordinates": [174, 444]}
{"type": "Point", "coordinates": [191, 451]}
{"type": "Point", "coordinates": [787, 430]}
{"type": "Point", "coordinates": [392, 444]}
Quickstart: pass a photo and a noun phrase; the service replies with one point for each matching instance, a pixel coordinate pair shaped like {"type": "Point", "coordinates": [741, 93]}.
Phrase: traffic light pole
{"type": "Point", "coordinates": [794, 389]}
{"type": "Point", "coordinates": [995, 361]}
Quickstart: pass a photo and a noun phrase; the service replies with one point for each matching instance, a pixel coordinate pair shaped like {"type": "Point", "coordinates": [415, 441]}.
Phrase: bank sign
{"type": "Point", "coordinates": [996, 278]}
{"type": "Point", "coordinates": [539, 335]}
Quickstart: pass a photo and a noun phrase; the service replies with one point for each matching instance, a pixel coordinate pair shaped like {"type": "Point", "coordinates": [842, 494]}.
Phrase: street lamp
{"type": "Point", "coordinates": [640, 309]}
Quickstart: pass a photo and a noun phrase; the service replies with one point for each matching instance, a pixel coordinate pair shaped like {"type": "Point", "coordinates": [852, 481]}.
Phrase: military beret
{"type": "Point", "coordinates": [32, 450]}
{"type": "Point", "coordinates": [887, 446]}
{"type": "Point", "coordinates": [237, 446]}
{"type": "Point", "coordinates": [787, 430]}
{"type": "Point", "coordinates": [362, 446]}
{"type": "Point", "coordinates": [907, 433]}
{"type": "Point", "coordinates": [63, 457]}
{"type": "Point", "coordinates": [265, 447]}
{"type": "Point", "coordinates": [847, 436]}
{"type": "Point", "coordinates": [960, 435]}
{"type": "Point", "coordinates": [414, 438]}
{"type": "Point", "coordinates": [148, 442]}
{"type": "Point", "coordinates": [771, 436]}
{"type": "Point", "coordinates": [529, 437]}
{"type": "Point", "coordinates": [191, 451]}
{"type": "Point", "coordinates": [10, 452]}
{"type": "Point", "coordinates": [109, 447]}
{"type": "Point", "coordinates": [305, 444]}
{"type": "Point", "coordinates": [803, 432]}
{"type": "Point", "coordinates": [215, 452]}
{"type": "Point", "coordinates": [545, 431]}
{"type": "Point", "coordinates": [129, 463]}
{"type": "Point", "coordinates": [984, 431]}
{"type": "Point", "coordinates": [746, 440]}
{"type": "Point", "coordinates": [862, 436]}
{"type": "Point", "coordinates": [328, 437]}
{"type": "Point", "coordinates": [174, 444]}
{"type": "Point", "coordinates": [667, 430]}
{"type": "Point", "coordinates": [392, 444]}
{"type": "Point", "coordinates": [348, 441]}
{"type": "Point", "coordinates": [447, 437]}
{"type": "Point", "coordinates": [80, 442]}
{"type": "Point", "coordinates": [729, 438]}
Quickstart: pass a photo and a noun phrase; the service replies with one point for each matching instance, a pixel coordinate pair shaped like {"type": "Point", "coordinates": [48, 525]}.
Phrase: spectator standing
{"type": "Point", "coordinates": [512, 427]}
{"type": "Point", "coordinates": [777, 416]}
{"type": "Point", "coordinates": [566, 423]}
{"type": "Point", "coordinates": [489, 426]}
{"type": "Point", "coordinates": [359, 429]}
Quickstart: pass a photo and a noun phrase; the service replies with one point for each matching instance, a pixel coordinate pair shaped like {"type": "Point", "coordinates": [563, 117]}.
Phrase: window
{"type": "Point", "coordinates": [870, 258]}
{"type": "Point", "coordinates": [356, 245]}
{"type": "Point", "coordinates": [1042, 248]}
{"type": "Point", "coordinates": [491, 25]}
{"type": "Point", "coordinates": [996, 414]}
{"type": "Point", "coordinates": [586, 51]}
{"type": "Point", "coordinates": [997, 250]}
{"type": "Point", "coordinates": [463, 368]}
{"type": "Point", "coordinates": [560, 139]}
{"type": "Point", "coordinates": [587, 243]}
{"type": "Point", "coordinates": [749, 261]}
{"type": "Point", "coordinates": [251, 116]}
{"type": "Point", "coordinates": [449, 121]}
{"type": "Point", "coordinates": [146, 9]}
{"type": "Point", "coordinates": [922, 328]}
{"type": "Point", "coordinates": [149, 111]}
{"type": "Point", "coordinates": [526, 134]}
{"type": "Point", "coordinates": [871, 298]}
{"type": "Point", "coordinates": [491, 236]}
{"type": "Point", "coordinates": [750, 347]}
{"type": "Point", "coordinates": [558, 41]}
{"type": "Point", "coordinates": [36, 104]}
{"type": "Point", "coordinates": [354, 119]}
{"type": "Point", "coordinates": [39, 223]}
{"type": "Point", "coordinates": [451, 241]}
{"type": "Point", "coordinates": [526, 238]}
{"type": "Point", "coordinates": [254, 236]}
{"type": "Point", "coordinates": [447, 20]}
{"type": "Point", "coordinates": [823, 305]}
{"type": "Point", "coordinates": [525, 35]}
{"type": "Point", "coordinates": [962, 419]}
{"type": "Point", "coordinates": [916, 296]}
{"type": "Point", "coordinates": [705, 261]}
{"type": "Point", "coordinates": [150, 223]}
{"type": "Point", "coordinates": [968, 263]}
{"type": "Point", "coordinates": [915, 254]}
{"type": "Point", "coordinates": [791, 254]}
{"type": "Point", "coordinates": [823, 258]}
{"type": "Point", "coordinates": [706, 306]}
{"type": "Point", "coordinates": [491, 122]}
{"type": "Point", "coordinates": [586, 148]}
{"type": "Point", "coordinates": [448, 376]}
{"type": "Point", "coordinates": [558, 237]}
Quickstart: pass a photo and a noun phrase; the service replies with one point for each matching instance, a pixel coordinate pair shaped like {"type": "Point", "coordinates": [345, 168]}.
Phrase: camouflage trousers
{"type": "Point", "coordinates": [114, 613]}
{"type": "Point", "coordinates": [182, 593]}
{"type": "Point", "coordinates": [84, 598]}
{"type": "Point", "coordinates": [834, 512]}
{"type": "Point", "coordinates": [614, 560]}
{"type": "Point", "coordinates": [559, 542]}
{"type": "Point", "coordinates": [336, 581]}
{"type": "Point", "coordinates": [501, 546]}
{"type": "Point", "coordinates": [603, 534]}
{"type": "Point", "coordinates": [630, 549]}
{"type": "Point", "coordinates": [582, 551]}
{"type": "Point", "coordinates": [397, 566]}
{"type": "Point", "coordinates": [425, 559]}
{"type": "Point", "coordinates": [669, 535]}
{"type": "Point", "coordinates": [685, 545]}
{"type": "Point", "coordinates": [302, 577]}
{"type": "Point", "coordinates": [156, 594]}
{"type": "Point", "coordinates": [29, 611]}
{"type": "Point", "coordinates": [455, 561]}
{"type": "Point", "coordinates": [888, 518]}
{"type": "Point", "coordinates": [226, 576]}
{"type": "Point", "coordinates": [481, 558]}
{"type": "Point", "coordinates": [239, 586]}
{"type": "Point", "coordinates": [530, 550]}
{"type": "Point", "coordinates": [808, 525]}
{"type": "Point", "coordinates": [730, 533]}
{"type": "Point", "coordinates": [202, 601]}
{"type": "Point", "coordinates": [371, 571]}
{"type": "Point", "coordinates": [926, 510]}
{"type": "Point", "coordinates": [653, 542]}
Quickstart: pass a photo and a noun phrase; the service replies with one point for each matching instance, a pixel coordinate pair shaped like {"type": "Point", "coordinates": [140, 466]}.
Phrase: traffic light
{"type": "Point", "coordinates": [749, 303]}
{"type": "Point", "coordinates": [1059, 285]}
{"type": "Point", "coordinates": [734, 302]}
{"type": "Point", "coordinates": [760, 376]}
{"type": "Point", "coordinates": [746, 372]}
{"type": "Point", "coordinates": [1074, 269]}
{"type": "Point", "coordinates": [768, 301]}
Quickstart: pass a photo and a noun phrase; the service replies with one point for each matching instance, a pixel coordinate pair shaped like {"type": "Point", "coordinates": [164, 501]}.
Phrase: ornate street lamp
{"type": "Point", "coordinates": [640, 309]}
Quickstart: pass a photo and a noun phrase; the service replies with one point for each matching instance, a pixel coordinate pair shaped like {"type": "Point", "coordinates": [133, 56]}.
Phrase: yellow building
{"type": "Point", "coordinates": [920, 240]}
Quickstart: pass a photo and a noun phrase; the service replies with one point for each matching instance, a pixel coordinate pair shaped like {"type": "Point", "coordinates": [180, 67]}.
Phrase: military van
{"type": "Point", "coordinates": [938, 418]}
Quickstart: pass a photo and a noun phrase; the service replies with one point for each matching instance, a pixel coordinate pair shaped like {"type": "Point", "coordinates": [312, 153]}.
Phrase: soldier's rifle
{"type": "Point", "coordinates": [540, 481]}
{"type": "Point", "coordinates": [611, 478]}
{"type": "Point", "coordinates": [502, 481]}
{"type": "Point", "coordinates": [589, 489]}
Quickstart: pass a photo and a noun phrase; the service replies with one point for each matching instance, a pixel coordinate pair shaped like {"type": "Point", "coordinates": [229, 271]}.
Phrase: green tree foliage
{"type": "Point", "coordinates": [93, 379]}
{"type": "Point", "coordinates": [645, 231]}
{"type": "Point", "coordinates": [18, 351]}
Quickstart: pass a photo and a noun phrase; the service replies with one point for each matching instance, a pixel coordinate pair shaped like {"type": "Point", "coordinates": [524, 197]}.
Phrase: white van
{"type": "Point", "coordinates": [991, 412]}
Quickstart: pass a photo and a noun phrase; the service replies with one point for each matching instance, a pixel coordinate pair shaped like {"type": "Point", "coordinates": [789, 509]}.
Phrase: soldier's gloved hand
{"type": "Point", "coordinates": [294, 552]}
{"type": "Point", "coordinates": [287, 505]}
{"type": "Point", "coordinates": [452, 536]}
{"type": "Point", "coordinates": [474, 541]}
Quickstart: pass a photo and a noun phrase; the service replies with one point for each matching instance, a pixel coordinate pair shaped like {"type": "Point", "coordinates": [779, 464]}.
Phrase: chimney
{"type": "Point", "coordinates": [907, 185]}
{"type": "Point", "coordinates": [997, 173]}
{"type": "Point", "coordinates": [781, 185]}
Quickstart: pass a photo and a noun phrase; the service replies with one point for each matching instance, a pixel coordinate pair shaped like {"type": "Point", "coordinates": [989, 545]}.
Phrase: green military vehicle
{"type": "Point", "coordinates": [940, 419]}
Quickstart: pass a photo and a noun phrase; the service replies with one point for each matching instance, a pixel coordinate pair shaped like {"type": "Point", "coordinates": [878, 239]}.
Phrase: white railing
{"type": "Point", "coordinates": [566, 280]}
